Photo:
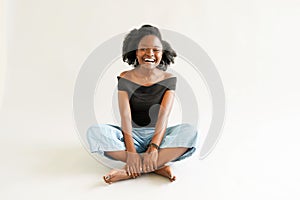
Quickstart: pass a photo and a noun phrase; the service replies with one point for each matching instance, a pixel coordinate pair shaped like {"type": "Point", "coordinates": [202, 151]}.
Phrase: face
{"type": "Point", "coordinates": [149, 52]}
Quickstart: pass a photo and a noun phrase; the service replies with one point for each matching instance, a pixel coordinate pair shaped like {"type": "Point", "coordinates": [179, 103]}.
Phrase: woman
{"type": "Point", "coordinates": [145, 96]}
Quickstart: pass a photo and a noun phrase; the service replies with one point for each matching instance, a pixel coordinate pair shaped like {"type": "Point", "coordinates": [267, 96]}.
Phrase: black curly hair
{"type": "Point", "coordinates": [131, 42]}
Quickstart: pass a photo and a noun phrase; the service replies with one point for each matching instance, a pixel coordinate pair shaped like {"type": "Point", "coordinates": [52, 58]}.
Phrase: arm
{"type": "Point", "coordinates": [133, 160]}
{"type": "Point", "coordinates": [125, 113]}
{"type": "Point", "coordinates": [163, 116]}
{"type": "Point", "coordinates": [126, 126]}
{"type": "Point", "coordinates": [151, 156]}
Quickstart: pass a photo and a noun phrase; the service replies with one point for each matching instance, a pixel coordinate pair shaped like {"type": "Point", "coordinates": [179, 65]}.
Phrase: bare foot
{"type": "Point", "coordinates": [116, 175]}
{"type": "Point", "coordinates": [166, 171]}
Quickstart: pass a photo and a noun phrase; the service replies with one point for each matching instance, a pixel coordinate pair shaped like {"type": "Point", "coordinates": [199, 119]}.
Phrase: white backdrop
{"type": "Point", "coordinates": [254, 45]}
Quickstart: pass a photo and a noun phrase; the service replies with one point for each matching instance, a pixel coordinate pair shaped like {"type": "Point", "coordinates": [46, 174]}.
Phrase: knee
{"type": "Point", "coordinates": [96, 131]}
{"type": "Point", "coordinates": [188, 130]}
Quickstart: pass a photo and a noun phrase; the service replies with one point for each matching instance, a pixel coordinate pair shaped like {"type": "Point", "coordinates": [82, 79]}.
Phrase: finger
{"type": "Point", "coordinates": [127, 170]}
{"type": "Point", "coordinates": [137, 173]}
{"type": "Point", "coordinates": [152, 166]}
{"type": "Point", "coordinates": [131, 171]}
{"type": "Point", "coordinates": [137, 168]}
{"type": "Point", "coordinates": [155, 165]}
{"type": "Point", "coordinates": [145, 168]}
{"type": "Point", "coordinates": [141, 167]}
{"type": "Point", "coordinates": [150, 169]}
{"type": "Point", "coordinates": [134, 172]}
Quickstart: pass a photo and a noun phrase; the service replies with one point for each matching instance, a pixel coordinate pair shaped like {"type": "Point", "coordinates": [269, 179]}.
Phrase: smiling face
{"type": "Point", "coordinates": [149, 52]}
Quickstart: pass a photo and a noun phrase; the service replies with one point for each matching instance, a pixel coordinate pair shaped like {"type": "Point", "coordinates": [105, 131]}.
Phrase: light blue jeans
{"type": "Point", "coordinates": [106, 137]}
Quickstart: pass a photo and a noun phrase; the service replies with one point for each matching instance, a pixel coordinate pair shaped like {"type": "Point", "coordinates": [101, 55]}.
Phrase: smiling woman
{"type": "Point", "coordinates": [145, 40]}
{"type": "Point", "coordinates": [149, 52]}
{"type": "Point", "coordinates": [144, 142]}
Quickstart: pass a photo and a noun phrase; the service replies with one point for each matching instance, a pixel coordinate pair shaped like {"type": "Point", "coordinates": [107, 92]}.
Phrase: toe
{"type": "Point", "coordinates": [172, 178]}
{"type": "Point", "coordinates": [106, 179]}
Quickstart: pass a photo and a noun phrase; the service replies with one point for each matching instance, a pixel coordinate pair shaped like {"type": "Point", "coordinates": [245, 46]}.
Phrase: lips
{"type": "Point", "coordinates": [149, 60]}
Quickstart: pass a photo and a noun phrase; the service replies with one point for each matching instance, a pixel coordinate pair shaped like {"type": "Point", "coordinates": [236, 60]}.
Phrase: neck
{"type": "Point", "coordinates": [146, 72]}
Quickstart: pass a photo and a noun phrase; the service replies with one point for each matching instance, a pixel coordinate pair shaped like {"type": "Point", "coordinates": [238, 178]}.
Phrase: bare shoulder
{"type": "Point", "coordinates": [125, 74]}
{"type": "Point", "coordinates": [168, 75]}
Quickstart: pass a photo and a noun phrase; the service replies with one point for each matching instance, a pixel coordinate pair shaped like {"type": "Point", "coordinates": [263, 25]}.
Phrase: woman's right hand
{"type": "Point", "coordinates": [133, 165]}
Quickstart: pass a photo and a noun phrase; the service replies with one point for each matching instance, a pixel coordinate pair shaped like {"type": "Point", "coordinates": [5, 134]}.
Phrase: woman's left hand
{"type": "Point", "coordinates": [150, 160]}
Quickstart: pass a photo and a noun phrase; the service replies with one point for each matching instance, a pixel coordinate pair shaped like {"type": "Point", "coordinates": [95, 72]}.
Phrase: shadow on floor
{"type": "Point", "coordinates": [76, 161]}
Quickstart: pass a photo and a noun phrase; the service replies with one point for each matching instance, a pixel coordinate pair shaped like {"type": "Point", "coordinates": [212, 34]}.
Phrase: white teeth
{"type": "Point", "coordinates": [149, 60]}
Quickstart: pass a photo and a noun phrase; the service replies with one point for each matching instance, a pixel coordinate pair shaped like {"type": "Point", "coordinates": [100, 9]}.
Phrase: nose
{"type": "Point", "coordinates": [150, 51]}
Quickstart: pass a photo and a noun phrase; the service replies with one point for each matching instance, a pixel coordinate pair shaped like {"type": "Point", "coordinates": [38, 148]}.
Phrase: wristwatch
{"type": "Point", "coordinates": [154, 145]}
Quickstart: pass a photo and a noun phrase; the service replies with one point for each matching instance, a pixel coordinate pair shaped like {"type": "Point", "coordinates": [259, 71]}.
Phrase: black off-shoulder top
{"type": "Point", "coordinates": [145, 100]}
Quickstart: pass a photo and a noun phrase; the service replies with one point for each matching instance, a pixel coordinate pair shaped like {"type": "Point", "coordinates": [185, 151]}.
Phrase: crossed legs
{"type": "Point", "coordinates": [165, 155]}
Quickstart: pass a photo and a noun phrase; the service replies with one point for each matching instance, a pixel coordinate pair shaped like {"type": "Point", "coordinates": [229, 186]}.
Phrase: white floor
{"type": "Point", "coordinates": [42, 157]}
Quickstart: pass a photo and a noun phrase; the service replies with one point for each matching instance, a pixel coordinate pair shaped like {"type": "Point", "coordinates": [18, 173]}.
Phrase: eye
{"type": "Point", "coordinates": [157, 50]}
{"type": "Point", "coordinates": [142, 49]}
